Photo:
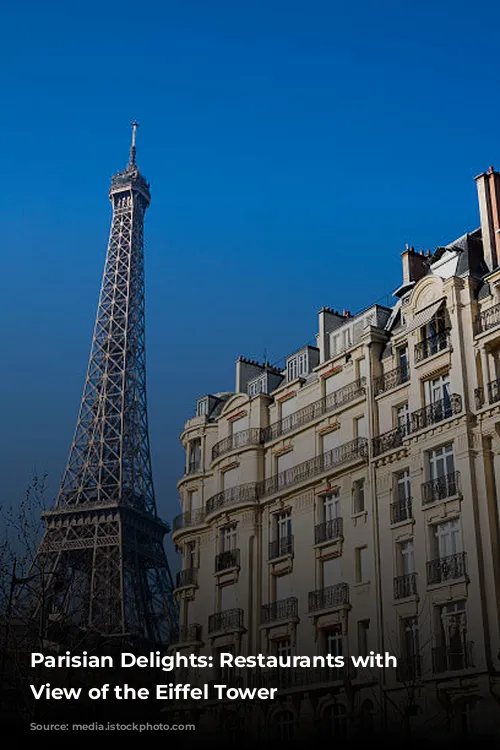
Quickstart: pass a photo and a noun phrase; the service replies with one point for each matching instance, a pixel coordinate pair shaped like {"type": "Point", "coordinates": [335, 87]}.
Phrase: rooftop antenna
{"type": "Point", "coordinates": [131, 161]}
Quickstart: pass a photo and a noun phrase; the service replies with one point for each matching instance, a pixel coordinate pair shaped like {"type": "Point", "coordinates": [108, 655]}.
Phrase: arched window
{"type": "Point", "coordinates": [335, 719]}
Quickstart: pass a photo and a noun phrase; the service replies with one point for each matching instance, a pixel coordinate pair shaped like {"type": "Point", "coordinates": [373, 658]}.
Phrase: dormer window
{"type": "Point", "coordinates": [202, 407]}
{"type": "Point", "coordinates": [302, 363]}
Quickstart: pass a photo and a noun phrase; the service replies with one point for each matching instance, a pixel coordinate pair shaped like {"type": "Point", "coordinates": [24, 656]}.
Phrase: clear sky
{"type": "Point", "coordinates": [292, 150]}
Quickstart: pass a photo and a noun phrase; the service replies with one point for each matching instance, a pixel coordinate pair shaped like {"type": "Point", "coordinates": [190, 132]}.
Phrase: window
{"type": "Point", "coordinates": [202, 407]}
{"type": "Point", "coordinates": [402, 361]}
{"type": "Point", "coordinates": [410, 646]}
{"type": "Point", "coordinates": [194, 455]}
{"type": "Point", "coordinates": [284, 725]}
{"type": "Point", "coordinates": [302, 366]}
{"type": "Point", "coordinates": [330, 441]}
{"type": "Point", "coordinates": [363, 637]}
{"type": "Point", "coordinates": [193, 501]}
{"type": "Point", "coordinates": [283, 525]}
{"type": "Point", "coordinates": [403, 485]}
{"type": "Point", "coordinates": [361, 368]}
{"type": "Point", "coordinates": [437, 390]}
{"type": "Point", "coordinates": [256, 387]}
{"type": "Point", "coordinates": [448, 538]}
{"type": "Point", "coordinates": [331, 572]}
{"type": "Point", "coordinates": [360, 427]}
{"type": "Point", "coordinates": [330, 508]}
{"type": "Point", "coordinates": [283, 648]}
{"type": "Point", "coordinates": [228, 597]}
{"type": "Point", "coordinates": [292, 369]}
{"type": "Point", "coordinates": [282, 587]}
{"type": "Point", "coordinates": [335, 718]}
{"type": "Point", "coordinates": [361, 559]}
{"type": "Point", "coordinates": [406, 557]}
{"type": "Point", "coordinates": [333, 645]}
{"type": "Point", "coordinates": [452, 636]}
{"type": "Point", "coordinates": [190, 560]}
{"type": "Point", "coordinates": [226, 673]}
{"type": "Point", "coordinates": [358, 492]}
{"type": "Point", "coordinates": [441, 461]}
{"type": "Point", "coordinates": [228, 538]}
{"type": "Point", "coordinates": [403, 418]}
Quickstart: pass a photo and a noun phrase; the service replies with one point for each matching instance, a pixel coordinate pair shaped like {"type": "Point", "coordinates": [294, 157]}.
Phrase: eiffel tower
{"type": "Point", "coordinates": [102, 561]}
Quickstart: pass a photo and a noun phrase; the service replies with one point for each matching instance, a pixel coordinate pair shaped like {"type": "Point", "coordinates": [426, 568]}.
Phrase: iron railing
{"type": "Point", "coordinates": [405, 586]}
{"type": "Point", "coordinates": [225, 622]}
{"type": "Point", "coordinates": [329, 597]}
{"type": "Point", "coordinates": [188, 633]}
{"type": "Point", "coordinates": [447, 568]}
{"type": "Point", "coordinates": [311, 412]}
{"type": "Point", "coordinates": [300, 677]}
{"type": "Point", "coordinates": [436, 412]}
{"type": "Point", "coordinates": [494, 391]}
{"type": "Point", "coordinates": [409, 669]}
{"type": "Point", "coordinates": [453, 658]}
{"type": "Point", "coordinates": [488, 319]}
{"type": "Point", "coordinates": [441, 488]}
{"type": "Point", "coordinates": [401, 510]}
{"type": "Point", "coordinates": [390, 440]}
{"type": "Point", "coordinates": [186, 577]}
{"type": "Point", "coordinates": [284, 609]}
{"type": "Point", "coordinates": [281, 547]}
{"type": "Point", "coordinates": [251, 436]}
{"type": "Point", "coordinates": [228, 559]}
{"type": "Point", "coordinates": [432, 345]}
{"type": "Point", "coordinates": [191, 518]}
{"type": "Point", "coordinates": [242, 493]}
{"type": "Point", "coordinates": [391, 379]}
{"type": "Point", "coordinates": [329, 531]}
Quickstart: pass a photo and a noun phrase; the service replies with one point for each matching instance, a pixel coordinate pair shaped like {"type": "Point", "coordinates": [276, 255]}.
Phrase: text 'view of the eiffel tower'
{"type": "Point", "coordinates": [102, 557]}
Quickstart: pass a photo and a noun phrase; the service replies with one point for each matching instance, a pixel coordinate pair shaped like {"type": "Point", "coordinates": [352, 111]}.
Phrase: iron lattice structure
{"type": "Point", "coordinates": [102, 558]}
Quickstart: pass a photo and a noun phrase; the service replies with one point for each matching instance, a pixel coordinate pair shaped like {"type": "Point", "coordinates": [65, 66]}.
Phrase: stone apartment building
{"type": "Point", "coordinates": [349, 502]}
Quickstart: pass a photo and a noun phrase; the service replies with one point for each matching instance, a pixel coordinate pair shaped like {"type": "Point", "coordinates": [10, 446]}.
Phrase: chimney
{"type": "Point", "coordinates": [415, 265]}
{"type": "Point", "coordinates": [488, 193]}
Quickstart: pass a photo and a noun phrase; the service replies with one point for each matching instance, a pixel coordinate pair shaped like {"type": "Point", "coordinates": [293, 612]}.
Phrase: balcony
{"type": "Point", "coordinates": [390, 440]}
{"type": "Point", "coordinates": [227, 560]}
{"type": "Point", "coordinates": [447, 568]}
{"type": "Point", "coordinates": [303, 677]}
{"type": "Point", "coordinates": [186, 577]}
{"type": "Point", "coordinates": [494, 391]}
{"type": "Point", "coordinates": [329, 597]}
{"type": "Point", "coordinates": [401, 510]}
{"type": "Point", "coordinates": [329, 531]}
{"type": "Point", "coordinates": [252, 436]}
{"type": "Point", "coordinates": [228, 621]}
{"type": "Point", "coordinates": [282, 610]}
{"type": "Point", "coordinates": [432, 345]}
{"type": "Point", "coordinates": [405, 586]}
{"type": "Point", "coordinates": [281, 547]}
{"type": "Point", "coordinates": [436, 412]}
{"type": "Point", "coordinates": [453, 658]}
{"type": "Point", "coordinates": [191, 518]}
{"type": "Point", "coordinates": [243, 493]}
{"type": "Point", "coordinates": [311, 412]}
{"type": "Point", "coordinates": [409, 670]}
{"type": "Point", "coordinates": [189, 633]}
{"type": "Point", "coordinates": [488, 319]}
{"type": "Point", "coordinates": [391, 379]}
{"type": "Point", "coordinates": [356, 449]}
{"type": "Point", "coordinates": [441, 488]}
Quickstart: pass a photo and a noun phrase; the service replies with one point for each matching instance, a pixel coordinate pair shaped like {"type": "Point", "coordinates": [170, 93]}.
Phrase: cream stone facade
{"type": "Point", "coordinates": [349, 503]}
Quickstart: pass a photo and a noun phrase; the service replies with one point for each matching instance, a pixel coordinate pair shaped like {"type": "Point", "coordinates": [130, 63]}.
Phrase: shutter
{"type": "Point", "coordinates": [283, 587]}
{"type": "Point", "coordinates": [361, 426]}
{"type": "Point", "coordinates": [231, 478]}
{"type": "Point", "coordinates": [330, 440]}
{"type": "Point", "coordinates": [285, 462]}
{"type": "Point", "coordinates": [362, 368]}
{"type": "Point", "coordinates": [288, 407]}
{"type": "Point", "coordinates": [331, 384]}
{"type": "Point", "coordinates": [228, 598]}
{"type": "Point", "coordinates": [241, 424]}
{"type": "Point", "coordinates": [194, 500]}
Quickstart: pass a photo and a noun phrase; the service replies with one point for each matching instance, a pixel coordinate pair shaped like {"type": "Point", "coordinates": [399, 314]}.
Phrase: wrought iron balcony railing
{"type": "Point", "coordinates": [447, 568]}
{"type": "Point", "coordinates": [188, 633]}
{"type": "Point", "coordinates": [453, 658]}
{"type": "Point", "coordinates": [391, 379]}
{"type": "Point", "coordinates": [242, 493]}
{"type": "Point", "coordinates": [251, 436]}
{"type": "Point", "coordinates": [432, 345]}
{"type": "Point", "coordinates": [284, 609]}
{"type": "Point", "coordinates": [441, 488]}
{"type": "Point", "coordinates": [281, 547]}
{"type": "Point", "coordinates": [436, 412]}
{"type": "Point", "coordinates": [186, 577]}
{"type": "Point", "coordinates": [329, 597]}
{"type": "Point", "coordinates": [226, 560]}
{"type": "Point", "coordinates": [494, 391]}
{"type": "Point", "coordinates": [390, 440]}
{"type": "Point", "coordinates": [329, 531]}
{"type": "Point", "coordinates": [409, 669]}
{"type": "Point", "coordinates": [401, 510]}
{"type": "Point", "coordinates": [191, 518]}
{"type": "Point", "coordinates": [405, 586]}
{"type": "Point", "coordinates": [488, 319]}
{"type": "Point", "coordinates": [226, 622]}
{"type": "Point", "coordinates": [311, 412]}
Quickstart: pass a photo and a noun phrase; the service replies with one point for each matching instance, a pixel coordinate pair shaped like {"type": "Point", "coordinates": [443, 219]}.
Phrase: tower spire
{"type": "Point", "coordinates": [131, 161]}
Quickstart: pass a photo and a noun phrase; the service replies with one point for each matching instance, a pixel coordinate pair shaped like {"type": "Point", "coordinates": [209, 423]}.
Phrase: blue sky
{"type": "Point", "coordinates": [292, 150]}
